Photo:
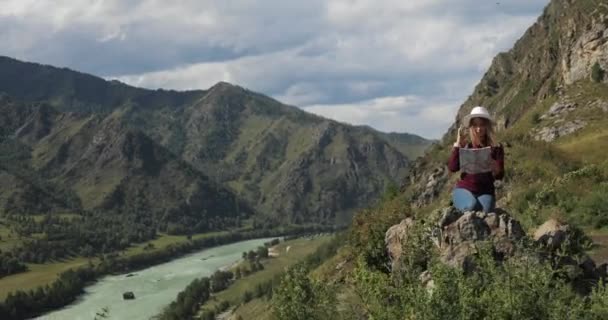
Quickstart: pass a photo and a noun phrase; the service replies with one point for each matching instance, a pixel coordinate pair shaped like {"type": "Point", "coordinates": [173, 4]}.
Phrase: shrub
{"type": "Point", "coordinates": [519, 288]}
{"type": "Point", "coordinates": [300, 298]}
{"type": "Point", "coordinates": [368, 229]}
{"type": "Point", "coordinates": [536, 118]}
{"type": "Point", "coordinates": [597, 73]}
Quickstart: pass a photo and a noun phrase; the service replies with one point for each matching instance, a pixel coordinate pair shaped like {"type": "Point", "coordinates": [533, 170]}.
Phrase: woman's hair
{"type": "Point", "coordinates": [490, 136]}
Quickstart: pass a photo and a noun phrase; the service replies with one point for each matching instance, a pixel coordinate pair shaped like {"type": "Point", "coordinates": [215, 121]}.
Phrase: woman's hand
{"type": "Point", "coordinates": [461, 139]}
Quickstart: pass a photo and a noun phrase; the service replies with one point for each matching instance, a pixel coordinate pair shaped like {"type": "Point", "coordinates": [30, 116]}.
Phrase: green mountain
{"type": "Point", "coordinates": [70, 162]}
{"type": "Point", "coordinates": [291, 166]}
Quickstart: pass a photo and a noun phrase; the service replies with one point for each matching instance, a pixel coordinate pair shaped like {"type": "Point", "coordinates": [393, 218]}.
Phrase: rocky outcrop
{"type": "Point", "coordinates": [559, 108]}
{"type": "Point", "coordinates": [552, 234]}
{"type": "Point", "coordinates": [591, 47]}
{"type": "Point", "coordinates": [458, 237]}
{"type": "Point", "coordinates": [563, 246]}
{"type": "Point", "coordinates": [562, 128]}
{"type": "Point", "coordinates": [426, 183]}
{"type": "Point", "coordinates": [458, 234]}
{"type": "Point", "coordinates": [395, 237]}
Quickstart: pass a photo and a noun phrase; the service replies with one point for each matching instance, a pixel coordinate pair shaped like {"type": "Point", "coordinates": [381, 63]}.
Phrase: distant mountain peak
{"type": "Point", "coordinates": [224, 86]}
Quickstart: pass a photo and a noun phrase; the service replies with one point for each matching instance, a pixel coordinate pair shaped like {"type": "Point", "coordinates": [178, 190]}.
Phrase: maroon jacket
{"type": "Point", "coordinates": [481, 183]}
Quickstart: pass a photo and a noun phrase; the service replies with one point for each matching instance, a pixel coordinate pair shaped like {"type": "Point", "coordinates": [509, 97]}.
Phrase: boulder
{"type": "Point", "coordinates": [552, 234]}
{"type": "Point", "coordinates": [128, 295]}
{"type": "Point", "coordinates": [395, 238]}
{"type": "Point", "coordinates": [456, 236]}
{"type": "Point", "coordinates": [460, 256]}
{"type": "Point", "coordinates": [427, 281]}
{"type": "Point", "coordinates": [460, 239]}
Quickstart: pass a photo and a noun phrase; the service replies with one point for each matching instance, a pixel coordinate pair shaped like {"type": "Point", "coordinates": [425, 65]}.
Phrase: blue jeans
{"type": "Point", "coordinates": [464, 200]}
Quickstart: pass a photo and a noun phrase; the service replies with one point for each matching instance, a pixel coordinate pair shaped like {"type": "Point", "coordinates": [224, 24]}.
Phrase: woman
{"type": "Point", "coordinates": [476, 191]}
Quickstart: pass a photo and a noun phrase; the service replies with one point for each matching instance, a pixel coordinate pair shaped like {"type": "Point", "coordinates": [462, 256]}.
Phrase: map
{"type": "Point", "coordinates": [475, 160]}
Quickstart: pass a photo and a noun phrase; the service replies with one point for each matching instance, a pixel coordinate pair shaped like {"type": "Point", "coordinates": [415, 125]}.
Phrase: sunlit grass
{"type": "Point", "coordinates": [164, 240]}
{"type": "Point", "coordinates": [37, 275]}
{"type": "Point", "coordinates": [298, 250]}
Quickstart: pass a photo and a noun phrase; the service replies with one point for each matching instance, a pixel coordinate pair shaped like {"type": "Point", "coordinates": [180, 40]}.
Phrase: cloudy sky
{"type": "Point", "coordinates": [396, 65]}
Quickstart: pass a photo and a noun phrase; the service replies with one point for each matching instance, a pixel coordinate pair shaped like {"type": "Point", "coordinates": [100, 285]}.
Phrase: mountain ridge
{"type": "Point", "coordinates": [248, 141]}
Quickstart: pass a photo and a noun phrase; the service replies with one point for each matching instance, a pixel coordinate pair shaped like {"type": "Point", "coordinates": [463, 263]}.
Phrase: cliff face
{"type": "Point", "coordinates": [554, 53]}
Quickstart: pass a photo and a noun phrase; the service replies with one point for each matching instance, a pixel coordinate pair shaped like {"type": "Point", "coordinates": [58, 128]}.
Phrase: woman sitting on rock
{"type": "Point", "coordinates": [476, 191]}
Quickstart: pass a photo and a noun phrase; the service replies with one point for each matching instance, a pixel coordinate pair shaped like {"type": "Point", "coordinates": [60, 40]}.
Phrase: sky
{"type": "Point", "coordinates": [395, 65]}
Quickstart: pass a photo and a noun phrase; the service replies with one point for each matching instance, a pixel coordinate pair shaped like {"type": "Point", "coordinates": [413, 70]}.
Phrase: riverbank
{"type": "Point", "coordinates": [287, 254]}
{"type": "Point", "coordinates": [153, 288]}
{"type": "Point", "coordinates": [70, 284]}
{"type": "Point", "coordinates": [46, 273]}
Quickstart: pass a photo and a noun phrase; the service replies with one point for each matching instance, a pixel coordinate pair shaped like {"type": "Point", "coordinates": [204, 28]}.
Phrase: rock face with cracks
{"type": "Point", "coordinates": [457, 237]}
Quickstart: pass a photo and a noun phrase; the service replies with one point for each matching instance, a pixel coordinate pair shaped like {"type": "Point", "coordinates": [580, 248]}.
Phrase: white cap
{"type": "Point", "coordinates": [477, 112]}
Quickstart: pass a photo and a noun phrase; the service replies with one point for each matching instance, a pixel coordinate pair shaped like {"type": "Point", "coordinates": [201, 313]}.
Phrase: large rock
{"type": "Point", "coordinates": [456, 236]}
{"type": "Point", "coordinates": [460, 255]}
{"type": "Point", "coordinates": [129, 295]}
{"type": "Point", "coordinates": [433, 184]}
{"type": "Point", "coordinates": [591, 47]}
{"type": "Point", "coordinates": [395, 238]}
{"type": "Point", "coordinates": [459, 239]}
{"type": "Point", "coordinates": [558, 108]}
{"type": "Point", "coordinates": [552, 234]}
{"type": "Point", "coordinates": [427, 182]}
{"type": "Point", "coordinates": [549, 134]}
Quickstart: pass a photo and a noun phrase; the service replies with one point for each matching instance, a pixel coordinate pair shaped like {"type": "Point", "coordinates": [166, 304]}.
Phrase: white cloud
{"type": "Point", "coordinates": [345, 59]}
{"type": "Point", "coordinates": [393, 114]}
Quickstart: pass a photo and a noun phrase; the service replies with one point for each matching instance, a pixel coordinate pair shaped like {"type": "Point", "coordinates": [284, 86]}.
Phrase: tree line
{"type": "Point", "coordinates": [71, 283]}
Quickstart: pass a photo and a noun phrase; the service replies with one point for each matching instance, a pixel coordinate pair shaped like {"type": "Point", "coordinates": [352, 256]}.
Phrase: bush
{"type": "Point", "coordinates": [597, 73]}
{"type": "Point", "coordinates": [368, 230]}
{"type": "Point", "coordinates": [247, 296]}
{"type": "Point", "coordinates": [300, 298]}
{"type": "Point", "coordinates": [519, 288]}
{"type": "Point", "coordinates": [536, 118]}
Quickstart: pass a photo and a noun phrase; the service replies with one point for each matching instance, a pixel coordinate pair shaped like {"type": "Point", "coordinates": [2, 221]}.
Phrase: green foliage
{"type": "Point", "coordinates": [597, 73]}
{"type": "Point", "coordinates": [519, 288]}
{"type": "Point", "coordinates": [567, 197]}
{"type": "Point", "coordinates": [368, 230]}
{"type": "Point", "coordinates": [536, 118]}
{"type": "Point", "coordinates": [299, 297]}
{"type": "Point", "coordinates": [9, 264]}
{"type": "Point", "coordinates": [391, 191]}
{"type": "Point", "coordinates": [220, 280]}
{"type": "Point", "coordinates": [22, 305]}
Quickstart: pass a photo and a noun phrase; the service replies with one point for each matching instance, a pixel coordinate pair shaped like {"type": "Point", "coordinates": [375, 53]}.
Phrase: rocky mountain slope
{"type": "Point", "coordinates": [290, 165]}
{"type": "Point", "coordinates": [549, 97]}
